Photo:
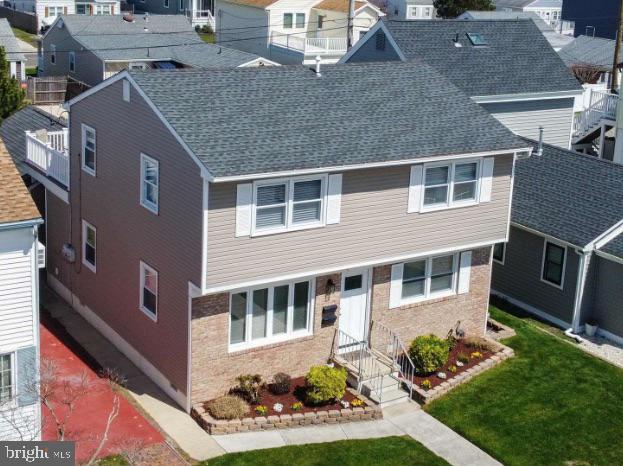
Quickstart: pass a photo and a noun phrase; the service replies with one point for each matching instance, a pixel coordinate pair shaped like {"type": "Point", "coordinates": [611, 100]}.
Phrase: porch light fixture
{"type": "Point", "coordinates": [329, 288]}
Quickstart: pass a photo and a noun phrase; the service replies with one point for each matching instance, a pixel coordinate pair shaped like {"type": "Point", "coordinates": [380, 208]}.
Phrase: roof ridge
{"type": "Point", "coordinates": [594, 159]}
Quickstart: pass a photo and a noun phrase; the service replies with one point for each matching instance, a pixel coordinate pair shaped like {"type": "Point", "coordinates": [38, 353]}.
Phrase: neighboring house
{"type": "Point", "coordinates": [182, 209]}
{"type": "Point", "coordinates": [506, 66]}
{"type": "Point", "coordinates": [93, 49]}
{"type": "Point", "coordinates": [292, 31]}
{"type": "Point", "coordinates": [555, 39]}
{"type": "Point", "coordinates": [198, 12]}
{"type": "Point", "coordinates": [20, 411]}
{"type": "Point", "coordinates": [14, 55]}
{"type": "Point", "coordinates": [410, 9]}
{"type": "Point", "coordinates": [549, 10]}
{"type": "Point", "coordinates": [594, 54]}
{"type": "Point", "coordinates": [564, 257]}
{"type": "Point", "coordinates": [597, 18]}
{"type": "Point", "coordinates": [48, 10]}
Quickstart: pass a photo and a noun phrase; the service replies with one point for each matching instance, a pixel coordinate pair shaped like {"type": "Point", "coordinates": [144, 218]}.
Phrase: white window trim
{"type": "Point", "coordinates": [72, 58]}
{"type": "Point", "coordinates": [289, 182]}
{"type": "Point", "coordinates": [450, 203]}
{"type": "Point", "coordinates": [503, 254]}
{"type": "Point", "coordinates": [143, 200]}
{"type": "Point", "coordinates": [427, 294]}
{"type": "Point", "coordinates": [85, 225]}
{"type": "Point", "coordinates": [85, 168]}
{"type": "Point", "coordinates": [12, 403]}
{"type": "Point", "coordinates": [142, 269]}
{"type": "Point", "coordinates": [564, 263]}
{"type": "Point", "coordinates": [269, 340]}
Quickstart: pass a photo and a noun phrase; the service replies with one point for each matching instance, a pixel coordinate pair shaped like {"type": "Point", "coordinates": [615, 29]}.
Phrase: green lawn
{"type": "Point", "coordinates": [550, 404]}
{"type": "Point", "coordinates": [207, 37]}
{"type": "Point", "coordinates": [26, 36]}
{"type": "Point", "coordinates": [398, 451]}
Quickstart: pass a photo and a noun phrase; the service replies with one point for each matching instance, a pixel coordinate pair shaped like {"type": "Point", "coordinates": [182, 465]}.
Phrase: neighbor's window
{"type": "Point", "coordinates": [88, 150]}
{"type": "Point", "coordinates": [287, 20]}
{"type": "Point", "coordinates": [53, 54]}
{"type": "Point", "coordinates": [89, 245]}
{"type": "Point", "coordinates": [72, 61]}
{"type": "Point", "coordinates": [149, 291]}
{"type": "Point", "coordinates": [289, 204]}
{"type": "Point", "coordinates": [259, 316]}
{"type": "Point", "coordinates": [428, 278]}
{"type": "Point", "coordinates": [103, 10]}
{"type": "Point", "coordinates": [82, 9]}
{"type": "Point", "coordinates": [499, 251]}
{"type": "Point", "coordinates": [553, 263]}
{"type": "Point", "coordinates": [166, 3]}
{"type": "Point", "coordinates": [6, 378]}
{"type": "Point", "coordinates": [413, 12]}
{"type": "Point", "coordinates": [428, 12]}
{"type": "Point", "coordinates": [320, 21]}
{"type": "Point", "coordinates": [150, 179]}
{"type": "Point", "coordinates": [380, 40]}
{"type": "Point", "coordinates": [451, 184]}
{"type": "Point", "coordinates": [300, 20]}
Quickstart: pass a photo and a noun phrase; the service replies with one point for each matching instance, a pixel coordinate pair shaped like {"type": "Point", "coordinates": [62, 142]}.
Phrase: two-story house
{"type": "Point", "coordinates": [292, 31]}
{"type": "Point", "coordinates": [507, 66]}
{"type": "Point", "coordinates": [12, 50]}
{"type": "Point", "coordinates": [549, 10]}
{"type": "Point", "coordinates": [20, 412]}
{"type": "Point", "coordinates": [410, 9]}
{"type": "Point", "coordinates": [93, 49]}
{"type": "Point", "coordinates": [208, 238]}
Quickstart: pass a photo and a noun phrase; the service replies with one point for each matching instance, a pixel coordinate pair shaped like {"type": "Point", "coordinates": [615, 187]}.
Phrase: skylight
{"type": "Point", "coordinates": [476, 39]}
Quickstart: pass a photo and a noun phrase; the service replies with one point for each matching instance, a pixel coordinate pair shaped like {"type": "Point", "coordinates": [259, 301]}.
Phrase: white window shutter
{"type": "Point", "coordinates": [415, 188]}
{"type": "Point", "coordinates": [334, 198]}
{"type": "Point", "coordinates": [244, 205]}
{"type": "Point", "coordinates": [486, 181]}
{"type": "Point", "coordinates": [395, 290]}
{"type": "Point", "coordinates": [465, 271]}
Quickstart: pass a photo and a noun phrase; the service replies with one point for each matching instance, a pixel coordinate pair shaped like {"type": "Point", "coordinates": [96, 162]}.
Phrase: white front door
{"type": "Point", "coordinates": [353, 304]}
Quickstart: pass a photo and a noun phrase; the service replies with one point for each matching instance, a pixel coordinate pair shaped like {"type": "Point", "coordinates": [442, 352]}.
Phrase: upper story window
{"type": "Point", "coordinates": [166, 3]}
{"type": "Point", "coordinates": [288, 20]}
{"type": "Point", "coordinates": [149, 291]}
{"type": "Point", "coordinates": [150, 180]}
{"type": "Point", "coordinates": [291, 20]}
{"type": "Point", "coordinates": [450, 184]}
{"type": "Point", "coordinates": [289, 204]}
{"type": "Point", "coordinates": [320, 21]}
{"type": "Point", "coordinates": [103, 9]}
{"type": "Point", "coordinates": [300, 20]}
{"type": "Point", "coordinates": [554, 258]}
{"type": "Point", "coordinates": [89, 245]}
{"type": "Point", "coordinates": [72, 61]}
{"type": "Point", "coordinates": [428, 278]}
{"type": "Point", "coordinates": [380, 40]}
{"type": "Point", "coordinates": [6, 378]}
{"type": "Point", "coordinates": [54, 11]}
{"type": "Point", "coordinates": [88, 149]}
{"type": "Point", "coordinates": [53, 54]}
{"type": "Point", "coordinates": [83, 9]}
{"type": "Point", "coordinates": [499, 252]}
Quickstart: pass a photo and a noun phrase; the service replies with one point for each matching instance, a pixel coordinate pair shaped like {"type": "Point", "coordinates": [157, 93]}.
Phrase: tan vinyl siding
{"type": "Point", "coordinates": [374, 225]}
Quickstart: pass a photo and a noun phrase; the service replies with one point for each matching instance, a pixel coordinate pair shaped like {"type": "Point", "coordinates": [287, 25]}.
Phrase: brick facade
{"type": "Point", "coordinates": [214, 369]}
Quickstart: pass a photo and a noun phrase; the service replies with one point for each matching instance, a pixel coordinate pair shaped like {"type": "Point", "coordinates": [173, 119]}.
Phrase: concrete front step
{"type": "Point", "coordinates": [389, 397]}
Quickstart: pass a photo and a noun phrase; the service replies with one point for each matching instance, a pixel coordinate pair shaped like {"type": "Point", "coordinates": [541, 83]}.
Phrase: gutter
{"type": "Point", "coordinates": [579, 290]}
{"type": "Point", "coordinates": [21, 224]}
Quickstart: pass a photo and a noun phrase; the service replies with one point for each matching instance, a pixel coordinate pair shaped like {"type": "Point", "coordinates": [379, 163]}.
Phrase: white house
{"type": "Point", "coordinates": [549, 10]}
{"type": "Point", "coordinates": [292, 31]}
{"type": "Point", "coordinates": [410, 9]}
{"type": "Point", "coordinates": [20, 257]}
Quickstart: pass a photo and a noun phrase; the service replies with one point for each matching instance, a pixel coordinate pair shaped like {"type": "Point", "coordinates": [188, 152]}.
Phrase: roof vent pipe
{"type": "Point", "coordinates": [146, 17]}
{"type": "Point", "coordinates": [318, 66]}
{"type": "Point", "coordinates": [539, 151]}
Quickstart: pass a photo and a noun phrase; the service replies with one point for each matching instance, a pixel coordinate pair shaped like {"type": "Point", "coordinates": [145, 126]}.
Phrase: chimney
{"type": "Point", "coordinates": [318, 66]}
{"type": "Point", "coordinates": [539, 151]}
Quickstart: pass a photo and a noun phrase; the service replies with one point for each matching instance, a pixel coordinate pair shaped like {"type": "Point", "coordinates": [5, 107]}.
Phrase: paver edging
{"type": "Point", "coordinates": [426, 396]}
{"type": "Point", "coordinates": [286, 421]}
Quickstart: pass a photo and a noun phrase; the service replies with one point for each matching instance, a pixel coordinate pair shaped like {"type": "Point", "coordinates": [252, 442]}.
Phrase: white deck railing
{"type": "Point", "coordinates": [602, 105]}
{"type": "Point", "coordinates": [310, 45]}
{"type": "Point", "coordinates": [50, 157]}
{"type": "Point", "coordinates": [201, 18]}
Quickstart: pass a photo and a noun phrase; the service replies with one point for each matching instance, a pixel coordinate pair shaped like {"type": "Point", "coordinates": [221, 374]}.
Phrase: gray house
{"type": "Point", "coordinates": [564, 257]}
{"type": "Point", "coordinates": [507, 66]}
{"type": "Point", "coordinates": [14, 55]}
{"type": "Point", "coordinates": [93, 48]}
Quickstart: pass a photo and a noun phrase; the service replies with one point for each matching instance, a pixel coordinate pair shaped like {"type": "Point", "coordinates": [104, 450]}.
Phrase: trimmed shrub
{"type": "Point", "coordinates": [325, 384]}
{"type": "Point", "coordinates": [227, 407]}
{"type": "Point", "coordinates": [249, 387]}
{"type": "Point", "coordinates": [480, 344]}
{"type": "Point", "coordinates": [281, 384]}
{"type": "Point", "coordinates": [429, 353]}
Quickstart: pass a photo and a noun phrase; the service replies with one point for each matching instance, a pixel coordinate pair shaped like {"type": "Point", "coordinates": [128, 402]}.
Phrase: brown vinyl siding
{"type": "Point", "coordinates": [170, 242]}
{"type": "Point", "coordinates": [374, 225]}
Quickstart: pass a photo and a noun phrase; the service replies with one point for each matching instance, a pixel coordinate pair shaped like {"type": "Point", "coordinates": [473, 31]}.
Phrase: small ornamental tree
{"type": "Point", "coordinates": [452, 8]}
{"type": "Point", "coordinates": [11, 94]}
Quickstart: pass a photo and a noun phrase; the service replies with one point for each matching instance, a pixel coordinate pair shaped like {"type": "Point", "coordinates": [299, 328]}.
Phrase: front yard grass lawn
{"type": "Point", "coordinates": [398, 451]}
{"type": "Point", "coordinates": [550, 404]}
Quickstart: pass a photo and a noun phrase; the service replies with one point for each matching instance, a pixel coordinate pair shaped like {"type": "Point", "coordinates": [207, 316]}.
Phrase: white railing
{"type": "Point", "coordinates": [201, 17]}
{"type": "Point", "coordinates": [309, 45]}
{"type": "Point", "coordinates": [50, 157]}
{"type": "Point", "coordinates": [601, 105]}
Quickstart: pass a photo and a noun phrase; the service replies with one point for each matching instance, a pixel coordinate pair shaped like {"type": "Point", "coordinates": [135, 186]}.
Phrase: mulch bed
{"type": "Point", "coordinates": [459, 348]}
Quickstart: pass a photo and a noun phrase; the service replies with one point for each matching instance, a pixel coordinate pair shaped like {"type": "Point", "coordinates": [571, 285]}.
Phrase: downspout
{"type": "Point", "coordinates": [579, 294]}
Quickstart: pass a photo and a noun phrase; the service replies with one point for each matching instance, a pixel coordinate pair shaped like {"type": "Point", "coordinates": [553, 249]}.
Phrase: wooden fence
{"type": "Point", "coordinates": [49, 90]}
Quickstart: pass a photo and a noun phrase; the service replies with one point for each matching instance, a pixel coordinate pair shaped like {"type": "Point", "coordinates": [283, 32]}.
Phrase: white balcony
{"type": "Point", "coordinates": [47, 151]}
{"type": "Point", "coordinates": [201, 18]}
{"type": "Point", "coordinates": [310, 46]}
{"type": "Point", "coordinates": [602, 106]}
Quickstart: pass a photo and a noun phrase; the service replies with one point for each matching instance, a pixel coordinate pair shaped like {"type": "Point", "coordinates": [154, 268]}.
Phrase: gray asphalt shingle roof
{"type": "Point", "coordinates": [168, 37]}
{"type": "Point", "coordinates": [285, 118]}
{"type": "Point", "coordinates": [567, 195]}
{"type": "Point", "coordinates": [517, 58]}
{"type": "Point", "coordinates": [614, 247]}
{"type": "Point", "coordinates": [593, 51]}
{"type": "Point", "coordinates": [9, 42]}
{"type": "Point", "coordinates": [27, 119]}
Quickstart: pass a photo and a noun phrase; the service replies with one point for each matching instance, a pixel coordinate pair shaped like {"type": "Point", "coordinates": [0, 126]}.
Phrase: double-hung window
{"type": "Point", "coordinates": [300, 21]}
{"type": "Point", "coordinates": [553, 270]}
{"type": "Point", "coordinates": [289, 204]}
{"type": "Point", "coordinates": [89, 245]}
{"type": "Point", "coordinates": [429, 278]}
{"type": "Point", "coordinates": [7, 383]}
{"type": "Point", "coordinates": [149, 291]}
{"type": "Point", "coordinates": [288, 20]}
{"type": "Point", "coordinates": [150, 179]}
{"type": "Point", "coordinates": [450, 184]}
{"type": "Point", "coordinates": [103, 10]}
{"type": "Point", "coordinates": [88, 150]}
{"type": "Point", "coordinates": [273, 313]}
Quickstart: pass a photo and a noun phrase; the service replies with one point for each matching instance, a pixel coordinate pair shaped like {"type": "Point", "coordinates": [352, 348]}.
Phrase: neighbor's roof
{"type": "Point", "coordinates": [351, 115]}
{"type": "Point", "coordinates": [9, 42]}
{"type": "Point", "coordinates": [525, 3]}
{"type": "Point", "coordinates": [16, 204]}
{"type": "Point", "coordinates": [168, 37]}
{"type": "Point", "coordinates": [517, 58]}
{"type": "Point", "coordinates": [253, 3]}
{"type": "Point", "coordinates": [12, 130]}
{"type": "Point", "coordinates": [337, 5]}
{"type": "Point", "coordinates": [614, 247]}
{"type": "Point", "coordinates": [567, 195]}
{"type": "Point", "coordinates": [592, 51]}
